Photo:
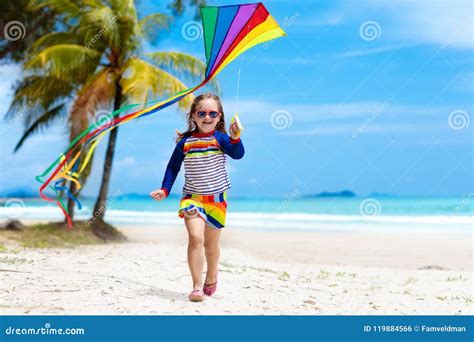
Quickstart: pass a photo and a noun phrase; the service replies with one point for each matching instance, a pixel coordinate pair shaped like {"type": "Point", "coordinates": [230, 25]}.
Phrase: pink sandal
{"type": "Point", "coordinates": [196, 296]}
{"type": "Point", "coordinates": [209, 289]}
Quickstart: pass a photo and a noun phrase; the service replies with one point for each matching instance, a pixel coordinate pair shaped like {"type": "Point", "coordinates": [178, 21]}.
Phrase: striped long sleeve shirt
{"type": "Point", "coordinates": [204, 157]}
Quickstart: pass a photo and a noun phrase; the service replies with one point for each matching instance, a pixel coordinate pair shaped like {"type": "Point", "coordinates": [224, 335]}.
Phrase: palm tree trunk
{"type": "Point", "coordinates": [70, 202]}
{"type": "Point", "coordinates": [100, 207]}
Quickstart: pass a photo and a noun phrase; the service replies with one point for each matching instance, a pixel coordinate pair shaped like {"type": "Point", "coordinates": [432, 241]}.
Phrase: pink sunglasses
{"type": "Point", "coordinates": [202, 114]}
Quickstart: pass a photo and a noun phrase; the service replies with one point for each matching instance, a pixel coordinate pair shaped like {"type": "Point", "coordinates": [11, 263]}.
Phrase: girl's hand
{"type": "Point", "coordinates": [234, 131]}
{"type": "Point", "coordinates": [158, 194]}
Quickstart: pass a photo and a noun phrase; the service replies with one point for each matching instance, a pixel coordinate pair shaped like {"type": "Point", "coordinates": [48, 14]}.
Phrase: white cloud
{"type": "Point", "coordinates": [126, 162]}
{"type": "Point", "coordinates": [447, 23]}
{"type": "Point", "coordinates": [289, 61]}
{"type": "Point", "coordinates": [324, 20]}
{"type": "Point", "coordinates": [349, 129]}
{"type": "Point", "coordinates": [357, 118]}
{"type": "Point", "coordinates": [254, 111]}
{"type": "Point", "coordinates": [372, 51]}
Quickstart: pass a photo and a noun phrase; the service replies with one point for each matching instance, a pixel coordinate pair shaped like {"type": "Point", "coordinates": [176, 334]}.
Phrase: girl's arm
{"type": "Point", "coordinates": [174, 165]}
{"type": "Point", "coordinates": [232, 147]}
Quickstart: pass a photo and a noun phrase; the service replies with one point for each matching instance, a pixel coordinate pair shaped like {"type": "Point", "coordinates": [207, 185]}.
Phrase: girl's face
{"type": "Point", "coordinates": [207, 115]}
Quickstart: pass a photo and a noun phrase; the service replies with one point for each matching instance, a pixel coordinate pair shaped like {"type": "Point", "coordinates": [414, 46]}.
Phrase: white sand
{"type": "Point", "coordinates": [260, 273]}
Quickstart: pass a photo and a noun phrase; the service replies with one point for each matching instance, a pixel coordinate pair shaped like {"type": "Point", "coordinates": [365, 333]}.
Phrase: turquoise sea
{"type": "Point", "coordinates": [434, 214]}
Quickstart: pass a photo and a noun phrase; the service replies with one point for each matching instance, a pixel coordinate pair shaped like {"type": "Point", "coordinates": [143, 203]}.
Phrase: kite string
{"type": "Point", "coordinates": [236, 105]}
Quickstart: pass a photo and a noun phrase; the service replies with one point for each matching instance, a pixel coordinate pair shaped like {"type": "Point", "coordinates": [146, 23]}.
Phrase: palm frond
{"type": "Point", "coordinates": [152, 25]}
{"type": "Point", "coordinates": [178, 6]}
{"type": "Point", "coordinates": [50, 39]}
{"type": "Point", "coordinates": [179, 62]}
{"type": "Point", "coordinates": [68, 62]}
{"type": "Point", "coordinates": [91, 3]}
{"type": "Point", "coordinates": [37, 90]}
{"type": "Point", "coordinates": [140, 80]}
{"type": "Point", "coordinates": [99, 27]}
{"type": "Point", "coordinates": [184, 65]}
{"type": "Point", "coordinates": [65, 7]}
{"type": "Point", "coordinates": [126, 7]}
{"type": "Point", "coordinates": [44, 120]}
{"type": "Point", "coordinates": [129, 28]}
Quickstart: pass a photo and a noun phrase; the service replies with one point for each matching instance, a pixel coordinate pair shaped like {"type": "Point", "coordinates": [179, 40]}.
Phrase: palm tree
{"type": "Point", "coordinates": [98, 63]}
{"type": "Point", "coordinates": [20, 26]}
{"type": "Point", "coordinates": [178, 6]}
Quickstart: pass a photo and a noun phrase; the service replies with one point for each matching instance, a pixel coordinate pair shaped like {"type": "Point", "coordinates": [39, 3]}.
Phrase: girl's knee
{"type": "Point", "coordinates": [211, 247]}
{"type": "Point", "coordinates": [196, 241]}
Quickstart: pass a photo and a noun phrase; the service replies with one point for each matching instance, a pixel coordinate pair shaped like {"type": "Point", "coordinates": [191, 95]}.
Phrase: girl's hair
{"type": "Point", "coordinates": [192, 127]}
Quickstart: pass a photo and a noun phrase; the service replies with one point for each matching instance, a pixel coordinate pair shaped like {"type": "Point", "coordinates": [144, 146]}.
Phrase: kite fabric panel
{"type": "Point", "coordinates": [228, 32]}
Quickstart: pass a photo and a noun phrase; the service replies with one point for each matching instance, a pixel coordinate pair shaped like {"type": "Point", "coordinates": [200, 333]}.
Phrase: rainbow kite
{"type": "Point", "coordinates": [228, 32]}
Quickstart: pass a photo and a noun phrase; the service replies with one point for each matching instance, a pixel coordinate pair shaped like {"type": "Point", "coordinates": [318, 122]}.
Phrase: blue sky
{"type": "Point", "coordinates": [363, 95]}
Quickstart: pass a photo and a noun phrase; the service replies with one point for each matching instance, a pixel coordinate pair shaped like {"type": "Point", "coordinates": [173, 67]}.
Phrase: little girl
{"type": "Point", "coordinates": [203, 148]}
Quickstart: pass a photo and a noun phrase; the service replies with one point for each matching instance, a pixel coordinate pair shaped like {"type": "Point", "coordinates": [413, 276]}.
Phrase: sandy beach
{"type": "Point", "coordinates": [260, 273]}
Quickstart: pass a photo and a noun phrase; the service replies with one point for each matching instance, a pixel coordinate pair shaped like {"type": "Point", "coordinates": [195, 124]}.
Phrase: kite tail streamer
{"type": "Point", "coordinates": [88, 137]}
{"type": "Point", "coordinates": [228, 32]}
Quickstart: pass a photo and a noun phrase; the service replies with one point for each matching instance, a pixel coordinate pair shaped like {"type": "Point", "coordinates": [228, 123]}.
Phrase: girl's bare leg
{"type": "Point", "coordinates": [195, 227]}
{"type": "Point", "coordinates": [211, 247]}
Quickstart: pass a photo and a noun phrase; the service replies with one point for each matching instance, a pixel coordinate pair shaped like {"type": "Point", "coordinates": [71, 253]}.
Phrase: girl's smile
{"type": "Point", "coordinates": [207, 115]}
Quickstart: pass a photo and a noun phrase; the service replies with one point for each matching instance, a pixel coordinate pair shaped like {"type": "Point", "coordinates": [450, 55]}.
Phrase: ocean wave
{"type": "Point", "coordinates": [251, 220]}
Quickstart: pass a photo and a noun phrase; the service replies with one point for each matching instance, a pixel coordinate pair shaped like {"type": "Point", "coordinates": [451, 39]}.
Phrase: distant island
{"type": "Point", "coordinates": [343, 193]}
{"type": "Point", "coordinates": [21, 192]}
{"type": "Point", "coordinates": [30, 193]}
